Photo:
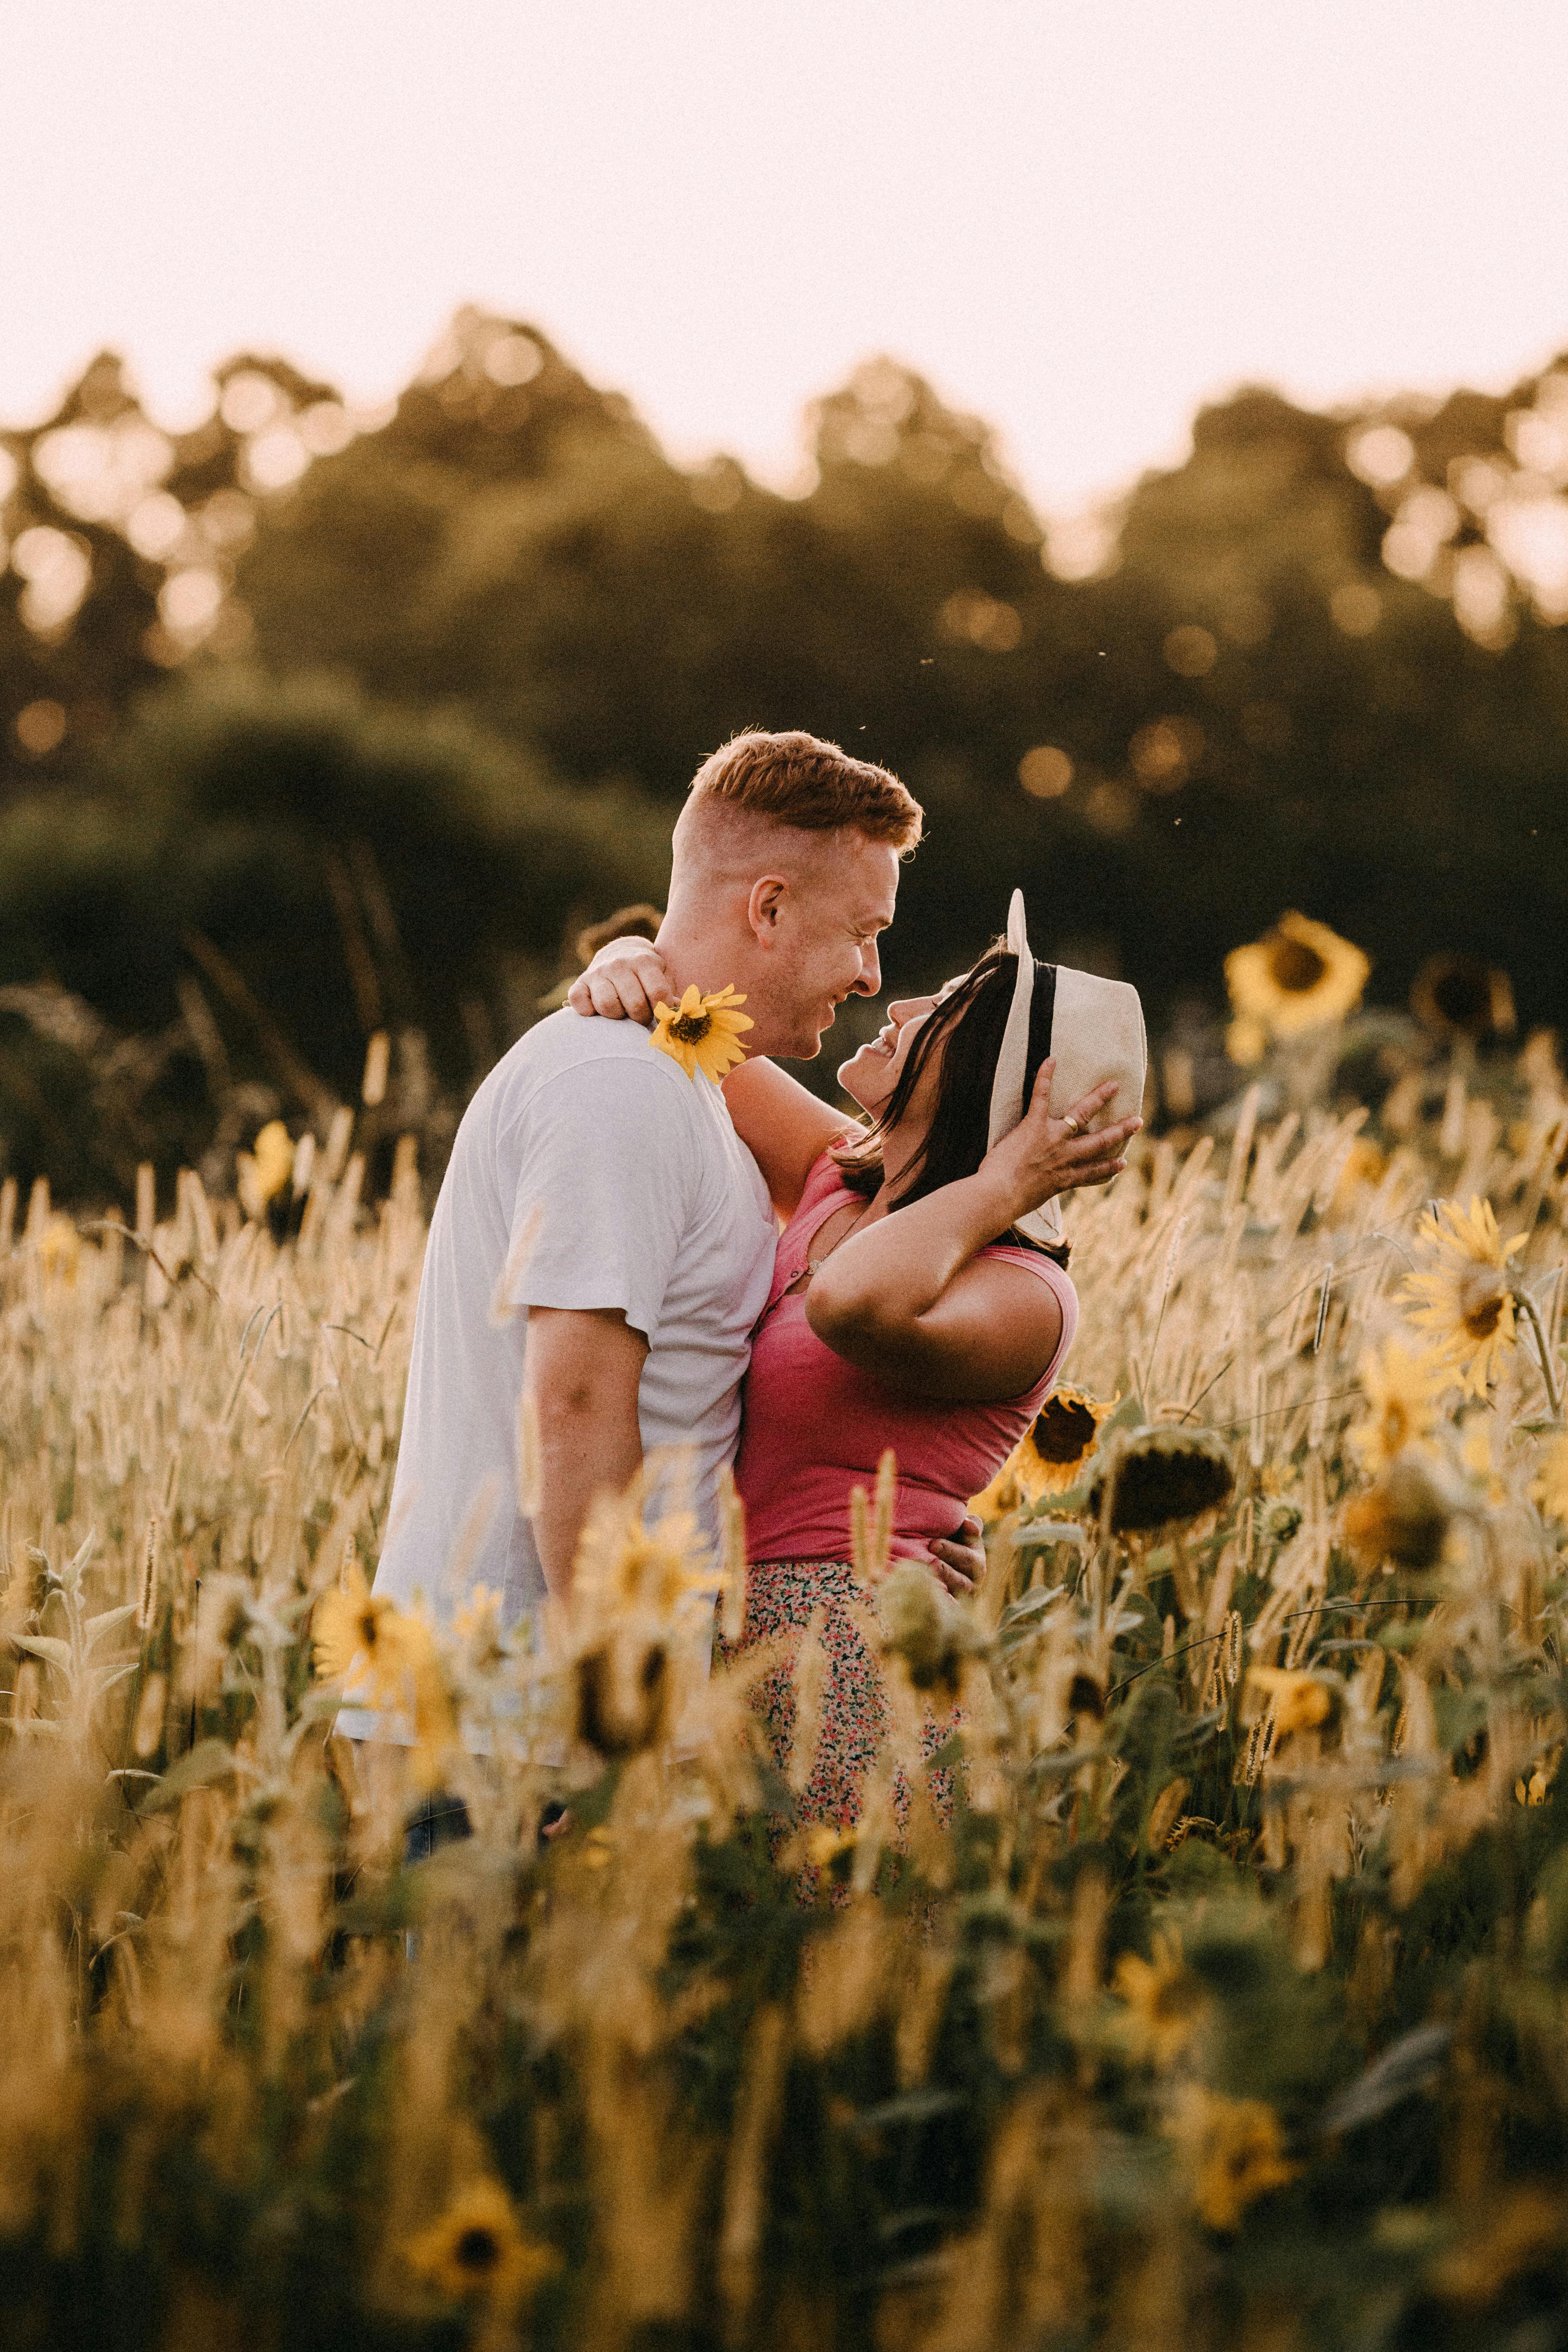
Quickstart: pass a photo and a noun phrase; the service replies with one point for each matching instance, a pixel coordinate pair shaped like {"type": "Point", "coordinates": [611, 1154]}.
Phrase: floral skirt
{"type": "Point", "coordinates": [854, 1717]}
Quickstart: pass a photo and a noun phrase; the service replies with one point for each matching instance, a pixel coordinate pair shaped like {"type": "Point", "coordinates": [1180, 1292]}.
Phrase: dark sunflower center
{"type": "Point", "coordinates": [1482, 1320]}
{"type": "Point", "coordinates": [1064, 1431]}
{"type": "Point", "coordinates": [1463, 995]}
{"type": "Point", "coordinates": [1295, 967]}
{"type": "Point", "coordinates": [477, 2250]}
{"type": "Point", "coordinates": [691, 1028]}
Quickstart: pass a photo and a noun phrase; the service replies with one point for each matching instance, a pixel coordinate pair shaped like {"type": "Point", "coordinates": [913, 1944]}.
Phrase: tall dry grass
{"type": "Point", "coordinates": [1226, 2008]}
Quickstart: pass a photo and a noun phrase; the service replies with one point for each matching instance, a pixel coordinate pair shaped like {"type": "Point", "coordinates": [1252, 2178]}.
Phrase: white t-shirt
{"type": "Point", "coordinates": [640, 1196]}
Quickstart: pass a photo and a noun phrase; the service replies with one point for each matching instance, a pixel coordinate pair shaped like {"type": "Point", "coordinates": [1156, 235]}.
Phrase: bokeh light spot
{"type": "Point", "coordinates": [1045, 771]}
{"type": "Point", "coordinates": [976, 619]}
{"type": "Point", "coordinates": [250, 402]}
{"type": "Point", "coordinates": [1164, 754]}
{"type": "Point", "coordinates": [40, 728]}
{"type": "Point", "coordinates": [1191, 651]}
{"type": "Point", "coordinates": [1380, 456]}
{"type": "Point", "coordinates": [275, 458]}
{"type": "Point", "coordinates": [513, 360]}
{"type": "Point", "coordinates": [189, 601]}
{"type": "Point", "coordinates": [1111, 807]}
{"type": "Point", "coordinates": [58, 569]}
{"type": "Point", "coordinates": [325, 429]}
{"type": "Point", "coordinates": [1355, 608]}
{"type": "Point", "coordinates": [155, 525]}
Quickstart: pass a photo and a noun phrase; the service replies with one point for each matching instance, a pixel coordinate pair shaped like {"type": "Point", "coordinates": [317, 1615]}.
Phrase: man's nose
{"type": "Point", "coordinates": [870, 981]}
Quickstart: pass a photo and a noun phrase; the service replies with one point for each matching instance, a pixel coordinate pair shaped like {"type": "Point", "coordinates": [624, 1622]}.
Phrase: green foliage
{"type": "Point", "coordinates": [1258, 711]}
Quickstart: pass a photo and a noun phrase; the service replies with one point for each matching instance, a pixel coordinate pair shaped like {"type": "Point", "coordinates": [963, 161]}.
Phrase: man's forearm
{"type": "Point", "coordinates": [581, 1452]}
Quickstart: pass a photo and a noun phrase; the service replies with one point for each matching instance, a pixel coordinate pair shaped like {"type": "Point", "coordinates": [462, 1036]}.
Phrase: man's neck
{"type": "Point", "coordinates": [709, 959]}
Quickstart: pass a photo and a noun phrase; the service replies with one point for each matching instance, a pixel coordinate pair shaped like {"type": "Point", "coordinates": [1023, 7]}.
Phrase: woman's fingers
{"type": "Point", "coordinates": [623, 982]}
{"type": "Point", "coordinates": [1090, 1106]}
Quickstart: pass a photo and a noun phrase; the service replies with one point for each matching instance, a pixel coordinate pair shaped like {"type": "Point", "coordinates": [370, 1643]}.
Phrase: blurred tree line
{"type": "Point", "coordinates": [318, 724]}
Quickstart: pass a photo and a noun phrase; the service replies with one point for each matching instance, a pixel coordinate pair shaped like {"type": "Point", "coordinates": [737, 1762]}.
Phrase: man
{"type": "Point", "coordinates": [602, 1236]}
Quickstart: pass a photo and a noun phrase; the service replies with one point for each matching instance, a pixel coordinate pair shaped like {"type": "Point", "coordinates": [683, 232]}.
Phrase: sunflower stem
{"type": "Point", "coordinates": [1553, 1397]}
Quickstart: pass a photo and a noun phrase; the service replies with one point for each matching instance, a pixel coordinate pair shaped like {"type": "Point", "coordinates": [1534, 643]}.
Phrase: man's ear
{"type": "Point", "coordinates": [765, 907]}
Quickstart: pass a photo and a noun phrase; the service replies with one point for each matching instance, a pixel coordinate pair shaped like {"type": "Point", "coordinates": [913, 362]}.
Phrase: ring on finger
{"type": "Point", "coordinates": [1071, 1125]}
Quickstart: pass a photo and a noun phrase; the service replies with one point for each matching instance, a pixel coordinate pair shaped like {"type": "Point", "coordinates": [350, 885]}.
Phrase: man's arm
{"type": "Point", "coordinates": [584, 1368]}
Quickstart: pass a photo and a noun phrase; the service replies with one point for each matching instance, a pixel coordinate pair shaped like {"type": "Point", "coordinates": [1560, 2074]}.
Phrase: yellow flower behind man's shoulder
{"type": "Point", "coordinates": [702, 1033]}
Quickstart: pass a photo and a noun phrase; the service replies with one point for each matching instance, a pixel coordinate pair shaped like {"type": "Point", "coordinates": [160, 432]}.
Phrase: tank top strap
{"type": "Point", "coordinates": [824, 1191]}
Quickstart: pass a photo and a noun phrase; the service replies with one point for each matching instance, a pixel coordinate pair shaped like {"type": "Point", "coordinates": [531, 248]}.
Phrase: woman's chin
{"type": "Point", "coordinates": [860, 1084]}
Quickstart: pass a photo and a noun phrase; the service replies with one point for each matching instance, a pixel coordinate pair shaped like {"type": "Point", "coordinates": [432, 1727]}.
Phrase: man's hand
{"type": "Point", "coordinates": [585, 1365]}
{"type": "Point", "coordinates": [959, 1559]}
{"type": "Point", "coordinates": [623, 982]}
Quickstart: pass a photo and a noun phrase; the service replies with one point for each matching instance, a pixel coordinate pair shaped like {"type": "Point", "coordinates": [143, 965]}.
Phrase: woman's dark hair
{"type": "Point", "coordinates": [972, 1018]}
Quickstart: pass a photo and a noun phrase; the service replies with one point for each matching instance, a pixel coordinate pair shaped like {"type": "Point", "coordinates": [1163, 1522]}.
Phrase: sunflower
{"type": "Point", "coordinates": [1364, 1170]}
{"type": "Point", "coordinates": [1301, 1701]}
{"type": "Point", "coordinates": [702, 1032]}
{"type": "Point", "coordinates": [1160, 1477]}
{"type": "Point", "coordinates": [1050, 1455]}
{"type": "Point", "coordinates": [1297, 977]}
{"type": "Point", "coordinates": [263, 1174]}
{"type": "Point", "coordinates": [1403, 1520]}
{"type": "Point", "coordinates": [478, 2253]}
{"type": "Point", "coordinates": [1457, 996]}
{"type": "Point", "coordinates": [621, 1691]}
{"type": "Point", "coordinates": [355, 1627]}
{"type": "Point", "coordinates": [1165, 2002]}
{"type": "Point", "coordinates": [1402, 1385]}
{"type": "Point", "coordinates": [1465, 1299]}
{"type": "Point", "coordinates": [1236, 2152]}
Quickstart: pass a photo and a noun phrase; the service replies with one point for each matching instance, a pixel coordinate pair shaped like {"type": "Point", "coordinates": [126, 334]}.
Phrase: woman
{"type": "Point", "coordinates": [920, 1300]}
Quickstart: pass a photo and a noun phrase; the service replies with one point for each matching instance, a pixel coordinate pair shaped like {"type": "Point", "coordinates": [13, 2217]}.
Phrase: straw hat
{"type": "Point", "coordinates": [1095, 1029]}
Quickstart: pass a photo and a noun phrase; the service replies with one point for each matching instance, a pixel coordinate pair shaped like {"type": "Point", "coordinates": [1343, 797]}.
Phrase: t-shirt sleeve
{"type": "Point", "coordinates": [607, 1160]}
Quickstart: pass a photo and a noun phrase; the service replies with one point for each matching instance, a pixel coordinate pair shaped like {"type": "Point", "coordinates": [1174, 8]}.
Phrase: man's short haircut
{"type": "Point", "coordinates": [799, 780]}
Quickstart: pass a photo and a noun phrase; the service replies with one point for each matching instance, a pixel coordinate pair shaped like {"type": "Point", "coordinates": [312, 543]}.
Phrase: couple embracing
{"type": "Point", "coordinates": [721, 1263]}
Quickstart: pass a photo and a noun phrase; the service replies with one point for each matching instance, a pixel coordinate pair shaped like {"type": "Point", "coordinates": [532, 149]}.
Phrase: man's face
{"type": "Point", "coordinates": [825, 941]}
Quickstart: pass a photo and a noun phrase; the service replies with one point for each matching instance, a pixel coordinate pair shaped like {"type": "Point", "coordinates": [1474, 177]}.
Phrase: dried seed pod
{"type": "Point", "coordinates": [1161, 1478]}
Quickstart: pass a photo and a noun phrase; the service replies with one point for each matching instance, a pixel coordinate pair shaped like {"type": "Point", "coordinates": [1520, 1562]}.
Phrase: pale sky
{"type": "Point", "coordinates": [1078, 218]}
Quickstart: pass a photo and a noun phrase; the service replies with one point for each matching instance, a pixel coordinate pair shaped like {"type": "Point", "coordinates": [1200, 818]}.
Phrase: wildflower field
{"type": "Point", "coordinates": [1220, 2003]}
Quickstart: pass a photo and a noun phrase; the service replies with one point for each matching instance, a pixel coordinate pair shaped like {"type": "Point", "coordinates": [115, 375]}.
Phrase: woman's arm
{"type": "Point", "coordinates": [903, 1297]}
{"type": "Point", "coordinates": [783, 1125]}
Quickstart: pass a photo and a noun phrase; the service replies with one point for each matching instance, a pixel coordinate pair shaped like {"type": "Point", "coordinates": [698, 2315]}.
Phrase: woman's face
{"type": "Point", "coordinates": [869, 1076]}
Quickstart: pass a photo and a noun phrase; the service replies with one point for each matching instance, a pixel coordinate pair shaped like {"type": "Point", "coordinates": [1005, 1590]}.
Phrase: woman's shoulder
{"type": "Point", "coordinates": [1036, 1262]}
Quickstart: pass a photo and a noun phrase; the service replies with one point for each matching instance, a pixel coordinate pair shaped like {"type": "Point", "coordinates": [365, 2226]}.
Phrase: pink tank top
{"type": "Point", "coordinates": [812, 1426]}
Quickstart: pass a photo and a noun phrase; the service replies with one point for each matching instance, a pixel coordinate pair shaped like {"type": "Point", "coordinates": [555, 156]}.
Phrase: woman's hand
{"type": "Point", "coordinates": [959, 1559]}
{"type": "Point", "coordinates": [1046, 1155]}
{"type": "Point", "coordinates": [623, 982]}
